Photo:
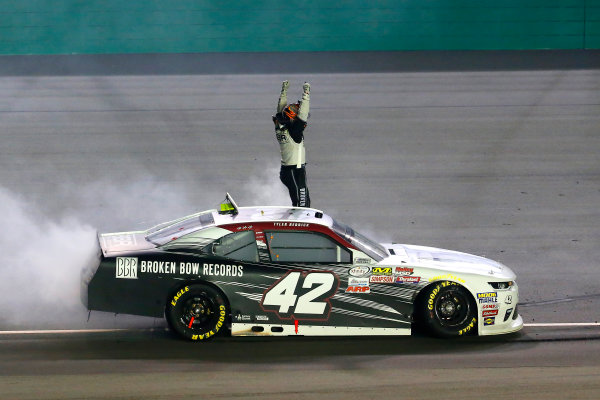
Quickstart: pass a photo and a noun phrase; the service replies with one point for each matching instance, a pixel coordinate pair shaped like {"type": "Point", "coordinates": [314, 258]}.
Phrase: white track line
{"type": "Point", "coordinates": [563, 324]}
{"type": "Point", "coordinates": [62, 331]}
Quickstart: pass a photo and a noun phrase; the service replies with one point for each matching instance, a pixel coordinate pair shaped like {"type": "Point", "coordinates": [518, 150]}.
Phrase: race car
{"type": "Point", "coordinates": [284, 271]}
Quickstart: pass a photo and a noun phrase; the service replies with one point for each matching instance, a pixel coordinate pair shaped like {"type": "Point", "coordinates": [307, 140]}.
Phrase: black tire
{"type": "Point", "coordinates": [197, 312]}
{"type": "Point", "coordinates": [449, 310]}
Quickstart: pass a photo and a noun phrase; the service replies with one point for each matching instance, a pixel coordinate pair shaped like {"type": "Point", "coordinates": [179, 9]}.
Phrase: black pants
{"type": "Point", "coordinates": [295, 180]}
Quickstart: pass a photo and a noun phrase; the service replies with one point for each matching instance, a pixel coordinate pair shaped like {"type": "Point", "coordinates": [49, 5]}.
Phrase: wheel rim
{"type": "Point", "coordinates": [198, 312]}
{"type": "Point", "coordinates": [452, 309]}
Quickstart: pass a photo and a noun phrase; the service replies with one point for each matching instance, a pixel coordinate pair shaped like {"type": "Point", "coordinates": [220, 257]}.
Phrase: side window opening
{"type": "Point", "coordinates": [294, 246]}
{"type": "Point", "coordinates": [238, 246]}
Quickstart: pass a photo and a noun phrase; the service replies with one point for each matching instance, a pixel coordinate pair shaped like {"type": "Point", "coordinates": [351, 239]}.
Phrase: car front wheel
{"type": "Point", "coordinates": [197, 312]}
{"type": "Point", "coordinates": [449, 310]}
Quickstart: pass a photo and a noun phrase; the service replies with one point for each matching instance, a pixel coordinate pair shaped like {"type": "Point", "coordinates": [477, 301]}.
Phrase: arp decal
{"type": "Point", "coordinates": [358, 285]}
{"type": "Point", "coordinates": [302, 296]}
{"type": "Point", "coordinates": [358, 289]}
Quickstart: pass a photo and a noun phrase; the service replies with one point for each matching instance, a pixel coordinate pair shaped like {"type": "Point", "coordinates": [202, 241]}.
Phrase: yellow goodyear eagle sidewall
{"type": "Point", "coordinates": [468, 327]}
{"type": "Point", "coordinates": [435, 292]}
{"type": "Point", "coordinates": [179, 294]}
{"type": "Point", "coordinates": [217, 328]}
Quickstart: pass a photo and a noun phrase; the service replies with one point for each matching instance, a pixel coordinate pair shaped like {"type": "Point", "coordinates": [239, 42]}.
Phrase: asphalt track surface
{"type": "Point", "coordinates": [498, 162]}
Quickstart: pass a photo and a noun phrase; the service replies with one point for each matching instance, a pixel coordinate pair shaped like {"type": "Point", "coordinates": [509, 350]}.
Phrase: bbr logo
{"type": "Point", "coordinates": [126, 267]}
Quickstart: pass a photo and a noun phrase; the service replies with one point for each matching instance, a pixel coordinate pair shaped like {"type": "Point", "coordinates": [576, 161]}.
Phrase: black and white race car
{"type": "Point", "coordinates": [294, 271]}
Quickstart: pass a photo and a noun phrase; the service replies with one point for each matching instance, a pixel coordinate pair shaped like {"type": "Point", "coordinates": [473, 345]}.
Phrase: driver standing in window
{"type": "Point", "coordinates": [290, 122]}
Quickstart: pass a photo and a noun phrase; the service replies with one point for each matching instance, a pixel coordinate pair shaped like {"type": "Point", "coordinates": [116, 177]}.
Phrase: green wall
{"type": "Point", "coordinates": [157, 26]}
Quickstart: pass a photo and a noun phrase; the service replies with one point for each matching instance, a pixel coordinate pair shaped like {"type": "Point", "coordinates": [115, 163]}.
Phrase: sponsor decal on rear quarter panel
{"type": "Point", "coordinates": [126, 267]}
{"type": "Point", "coordinates": [359, 271]}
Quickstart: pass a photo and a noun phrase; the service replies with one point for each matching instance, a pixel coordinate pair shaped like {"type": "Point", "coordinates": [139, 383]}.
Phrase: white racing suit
{"type": "Point", "coordinates": [293, 154]}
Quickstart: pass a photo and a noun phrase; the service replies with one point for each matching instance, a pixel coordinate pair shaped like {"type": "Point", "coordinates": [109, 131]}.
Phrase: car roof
{"type": "Point", "coordinates": [246, 215]}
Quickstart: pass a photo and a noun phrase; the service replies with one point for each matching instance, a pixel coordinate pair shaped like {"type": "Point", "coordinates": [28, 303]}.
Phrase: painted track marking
{"type": "Point", "coordinates": [62, 331]}
{"type": "Point", "coordinates": [563, 324]}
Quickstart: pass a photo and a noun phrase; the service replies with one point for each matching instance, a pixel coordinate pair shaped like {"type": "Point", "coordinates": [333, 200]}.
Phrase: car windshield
{"type": "Point", "coordinates": [363, 243]}
{"type": "Point", "coordinates": [168, 231]}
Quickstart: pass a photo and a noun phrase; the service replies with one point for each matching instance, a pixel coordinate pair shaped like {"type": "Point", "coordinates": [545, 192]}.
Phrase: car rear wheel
{"type": "Point", "coordinates": [449, 310]}
{"type": "Point", "coordinates": [197, 312]}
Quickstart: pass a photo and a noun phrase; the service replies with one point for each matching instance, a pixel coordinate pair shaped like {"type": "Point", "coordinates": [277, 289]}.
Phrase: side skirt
{"type": "Point", "coordinates": [238, 329]}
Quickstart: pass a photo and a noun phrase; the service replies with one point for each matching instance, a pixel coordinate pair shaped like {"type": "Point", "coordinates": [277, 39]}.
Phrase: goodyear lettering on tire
{"type": "Point", "coordinates": [217, 327]}
{"type": "Point", "coordinates": [179, 294]}
{"type": "Point", "coordinates": [435, 291]}
{"type": "Point", "coordinates": [468, 327]}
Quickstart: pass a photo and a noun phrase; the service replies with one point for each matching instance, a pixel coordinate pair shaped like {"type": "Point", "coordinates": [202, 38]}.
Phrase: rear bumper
{"type": "Point", "coordinates": [87, 273]}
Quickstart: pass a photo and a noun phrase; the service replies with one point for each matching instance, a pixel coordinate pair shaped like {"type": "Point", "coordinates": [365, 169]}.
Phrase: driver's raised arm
{"type": "Point", "coordinates": [283, 96]}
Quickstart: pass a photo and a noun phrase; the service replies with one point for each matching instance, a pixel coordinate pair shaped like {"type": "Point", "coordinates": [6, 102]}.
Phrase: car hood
{"type": "Point", "coordinates": [123, 242]}
{"type": "Point", "coordinates": [449, 260]}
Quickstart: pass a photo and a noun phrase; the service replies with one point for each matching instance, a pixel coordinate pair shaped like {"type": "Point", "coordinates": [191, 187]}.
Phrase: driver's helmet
{"type": "Point", "coordinates": [287, 115]}
{"type": "Point", "coordinates": [290, 112]}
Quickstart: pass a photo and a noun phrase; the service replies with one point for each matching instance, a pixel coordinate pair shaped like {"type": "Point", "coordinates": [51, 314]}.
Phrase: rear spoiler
{"type": "Point", "coordinates": [228, 206]}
